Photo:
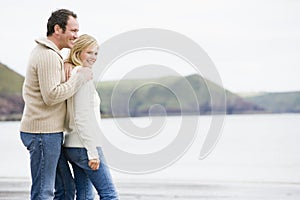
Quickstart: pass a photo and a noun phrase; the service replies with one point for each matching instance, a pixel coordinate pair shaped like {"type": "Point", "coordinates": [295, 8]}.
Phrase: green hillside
{"type": "Point", "coordinates": [188, 95]}
{"type": "Point", "coordinates": [10, 81]}
{"type": "Point", "coordinates": [167, 95]}
{"type": "Point", "coordinates": [283, 102]}
{"type": "Point", "coordinates": [11, 102]}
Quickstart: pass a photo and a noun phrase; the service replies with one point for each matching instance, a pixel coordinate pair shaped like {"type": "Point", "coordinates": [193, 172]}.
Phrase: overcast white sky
{"type": "Point", "coordinates": [254, 44]}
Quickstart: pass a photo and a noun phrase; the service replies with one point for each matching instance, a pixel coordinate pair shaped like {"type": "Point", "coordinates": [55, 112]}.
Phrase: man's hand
{"type": "Point", "coordinates": [94, 164]}
{"type": "Point", "coordinates": [86, 72]}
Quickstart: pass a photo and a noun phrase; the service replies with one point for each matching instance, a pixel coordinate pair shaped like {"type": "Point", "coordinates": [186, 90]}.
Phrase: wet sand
{"type": "Point", "coordinates": [18, 189]}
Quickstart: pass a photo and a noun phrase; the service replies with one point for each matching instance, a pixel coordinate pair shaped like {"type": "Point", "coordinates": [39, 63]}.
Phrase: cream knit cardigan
{"type": "Point", "coordinates": [83, 119]}
{"type": "Point", "coordinates": [45, 90]}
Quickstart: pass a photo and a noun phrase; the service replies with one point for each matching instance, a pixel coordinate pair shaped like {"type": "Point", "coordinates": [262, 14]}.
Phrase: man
{"type": "Point", "coordinates": [44, 93]}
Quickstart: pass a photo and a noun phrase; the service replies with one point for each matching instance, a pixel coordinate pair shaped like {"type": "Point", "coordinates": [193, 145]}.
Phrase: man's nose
{"type": "Point", "coordinates": [75, 35]}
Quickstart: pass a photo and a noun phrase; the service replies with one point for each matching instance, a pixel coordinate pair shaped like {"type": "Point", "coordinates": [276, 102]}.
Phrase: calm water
{"type": "Point", "coordinates": [253, 148]}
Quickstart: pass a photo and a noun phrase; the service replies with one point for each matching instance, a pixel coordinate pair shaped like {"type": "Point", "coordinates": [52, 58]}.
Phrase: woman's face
{"type": "Point", "coordinates": [89, 56]}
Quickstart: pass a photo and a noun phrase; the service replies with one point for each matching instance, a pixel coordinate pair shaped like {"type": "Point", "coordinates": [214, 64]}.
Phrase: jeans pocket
{"type": "Point", "coordinates": [82, 155]}
{"type": "Point", "coordinates": [28, 140]}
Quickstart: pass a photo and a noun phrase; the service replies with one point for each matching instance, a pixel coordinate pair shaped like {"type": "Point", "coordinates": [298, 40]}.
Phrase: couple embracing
{"type": "Point", "coordinates": [60, 122]}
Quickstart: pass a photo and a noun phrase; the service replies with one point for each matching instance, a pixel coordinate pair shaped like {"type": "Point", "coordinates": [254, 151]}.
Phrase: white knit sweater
{"type": "Point", "coordinates": [83, 119]}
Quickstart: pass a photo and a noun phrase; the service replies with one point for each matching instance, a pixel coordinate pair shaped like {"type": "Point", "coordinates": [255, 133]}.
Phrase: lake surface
{"type": "Point", "coordinates": [252, 149]}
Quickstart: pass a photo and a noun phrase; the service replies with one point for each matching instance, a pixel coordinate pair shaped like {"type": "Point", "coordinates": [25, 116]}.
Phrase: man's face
{"type": "Point", "coordinates": [67, 38]}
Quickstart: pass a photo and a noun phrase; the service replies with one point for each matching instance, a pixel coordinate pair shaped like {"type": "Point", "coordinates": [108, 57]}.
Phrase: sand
{"type": "Point", "coordinates": [18, 189]}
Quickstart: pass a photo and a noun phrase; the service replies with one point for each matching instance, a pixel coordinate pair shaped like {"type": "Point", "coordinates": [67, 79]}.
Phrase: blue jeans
{"type": "Point", "coordinates": [44, 150]}
{"type": "Point", "coordinates": [64, 182]}
{"type": "Point", "coordinates": [86, 178]}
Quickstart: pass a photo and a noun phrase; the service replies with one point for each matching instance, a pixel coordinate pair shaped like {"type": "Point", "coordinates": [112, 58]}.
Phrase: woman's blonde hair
{"type": "Point", "coordinates": [82, 42]}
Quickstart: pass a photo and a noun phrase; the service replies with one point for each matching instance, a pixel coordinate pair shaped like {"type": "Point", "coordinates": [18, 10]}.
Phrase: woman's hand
{"type": "Point", "coordinates": [94, 164]}
{"type": "Point", "coordinates": [68, 68]}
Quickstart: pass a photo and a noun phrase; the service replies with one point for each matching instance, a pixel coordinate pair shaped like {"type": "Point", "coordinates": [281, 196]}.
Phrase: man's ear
{"type": "Point", "coordinates": [57, 29]}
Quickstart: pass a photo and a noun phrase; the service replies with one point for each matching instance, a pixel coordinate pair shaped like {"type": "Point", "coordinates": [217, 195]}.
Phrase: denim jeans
{"type": "Point", "coordinates": [44, 150]}
{"type": "Point", "coordinates": [85, 177]}
{"type": "Point", "coordinates": [64, 182]}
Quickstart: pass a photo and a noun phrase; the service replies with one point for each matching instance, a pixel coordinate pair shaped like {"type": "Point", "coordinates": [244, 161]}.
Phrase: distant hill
{"type": "Point", "coordinates": [11, 102]}
{"type": "Point", "coordinates": [10, 81]}
{"type": "Point", "coordinates": [162, 91]}
{"type": "Point", "coordinates": [283, 102]}
{"type": "Point", "coordinates": [146, 94]}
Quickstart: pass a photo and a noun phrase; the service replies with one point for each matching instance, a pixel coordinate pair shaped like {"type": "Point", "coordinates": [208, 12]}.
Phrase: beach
{"type": "Point", "coordinates": [18, 189]}
{"type": "Point", "coordinates": [257, 158]}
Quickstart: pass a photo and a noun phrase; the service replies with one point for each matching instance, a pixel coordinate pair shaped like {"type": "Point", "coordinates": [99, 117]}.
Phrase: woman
{"type": "Point", "coordinates": [82, 144]}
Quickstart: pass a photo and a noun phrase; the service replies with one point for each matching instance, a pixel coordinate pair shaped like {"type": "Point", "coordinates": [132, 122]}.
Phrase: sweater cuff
{"type": "Point", "coordinates": [93, 154]}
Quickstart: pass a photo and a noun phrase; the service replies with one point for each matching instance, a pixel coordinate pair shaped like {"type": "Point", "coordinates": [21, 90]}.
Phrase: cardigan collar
{"type": "Point", "coordinates": [49, 44]}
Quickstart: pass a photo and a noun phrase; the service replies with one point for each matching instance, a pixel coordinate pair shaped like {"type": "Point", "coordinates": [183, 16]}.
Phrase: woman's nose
{"type": "Point", "coordinates": [94, 57]}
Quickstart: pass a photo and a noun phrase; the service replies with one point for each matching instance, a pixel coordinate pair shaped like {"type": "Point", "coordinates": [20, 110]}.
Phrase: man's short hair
{"type": "Point", "coordinates": [59, 17]}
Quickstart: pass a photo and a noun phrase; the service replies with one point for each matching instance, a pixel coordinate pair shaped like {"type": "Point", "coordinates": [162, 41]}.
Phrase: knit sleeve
{"type": "Point", "coordinates": [85, 119]}
{"type": "Point", "coordinates": [49, 69]}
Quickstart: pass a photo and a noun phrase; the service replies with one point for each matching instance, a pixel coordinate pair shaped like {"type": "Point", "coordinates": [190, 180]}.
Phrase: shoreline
{"type": "Point", "coordinates": [17, 117]}
{"type": "Point", "coordinates": [18, 189]}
